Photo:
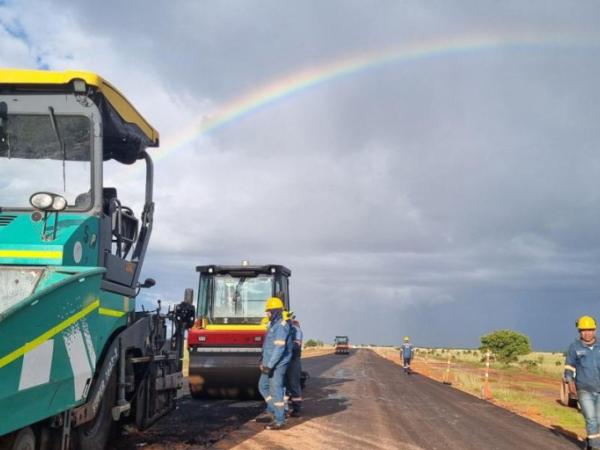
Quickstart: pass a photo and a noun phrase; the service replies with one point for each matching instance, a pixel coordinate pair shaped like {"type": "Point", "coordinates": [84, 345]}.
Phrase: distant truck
{"type": "Point", "coordinates": [342, 345]}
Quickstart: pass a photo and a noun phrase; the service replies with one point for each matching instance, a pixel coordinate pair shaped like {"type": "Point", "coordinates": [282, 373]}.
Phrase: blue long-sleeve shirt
{"type": "Point", "coordinates": [277, 345]}
{"type": "Point", "coordinates": [298, 337]}
{"type": "Point", "coordinates": [582, 364]}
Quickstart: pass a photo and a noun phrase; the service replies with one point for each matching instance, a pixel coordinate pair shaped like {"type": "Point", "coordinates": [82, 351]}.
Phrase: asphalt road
{"type": "Point", "coordinates": [360, 401]}
{"type": "Point", "coordinates": [363, 401]}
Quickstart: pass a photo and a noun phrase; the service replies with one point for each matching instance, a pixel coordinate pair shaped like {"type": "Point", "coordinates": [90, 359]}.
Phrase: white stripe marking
{"type": "Point", "coordinates": [78, 357]}
{"type": "Point", "coordinates": [89, 344]}
{"type": "Point", "coordinates": [36, 366]}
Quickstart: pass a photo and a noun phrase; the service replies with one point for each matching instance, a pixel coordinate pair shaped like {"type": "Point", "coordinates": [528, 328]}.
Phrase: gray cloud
{"type": "Point", "coordinates": [457, 192]}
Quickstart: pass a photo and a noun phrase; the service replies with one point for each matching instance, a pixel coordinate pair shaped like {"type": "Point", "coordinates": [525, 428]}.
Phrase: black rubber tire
{"type": "Point", "coordinates": [94, 434]}
{"type": "Point", "coordinates": [24, 439]}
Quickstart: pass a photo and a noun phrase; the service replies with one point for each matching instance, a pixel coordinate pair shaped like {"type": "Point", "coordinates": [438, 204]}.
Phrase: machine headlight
{"type": "Point", "coordinates": [79, 86]}
{"type": "Point", "coordinates": [47, 201]}
{"type": "Point", "coordinates": [59, 203]}
{"type": "Point", "coordinates": [41, 200]}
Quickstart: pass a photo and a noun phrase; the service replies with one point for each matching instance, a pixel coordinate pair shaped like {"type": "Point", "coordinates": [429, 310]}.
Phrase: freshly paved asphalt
{"type": "Point", "coordinates": [363, 401]}
{"type": "Point", "coordinates": [358, 401]}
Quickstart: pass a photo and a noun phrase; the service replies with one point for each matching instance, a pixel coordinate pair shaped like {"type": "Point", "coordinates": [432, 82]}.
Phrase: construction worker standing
{"type": "Point", "coordinates": [294, 372]}
{"type": "Point", "coordinates": [582, 373]}
{"type": "Point", "coordinates": [406, 353]}
{"type": "Point", "coordinates": [276, 356]}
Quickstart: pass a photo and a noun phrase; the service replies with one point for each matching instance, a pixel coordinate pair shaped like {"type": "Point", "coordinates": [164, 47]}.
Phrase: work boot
{"type": "Point", "coordinates": [274, 426]}
{"type": "Point", "coordinates": [264, 418]}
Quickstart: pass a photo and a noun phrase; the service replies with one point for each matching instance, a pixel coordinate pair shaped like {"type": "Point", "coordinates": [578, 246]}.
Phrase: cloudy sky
{"type": "Point", "coordinates": [429, 169]}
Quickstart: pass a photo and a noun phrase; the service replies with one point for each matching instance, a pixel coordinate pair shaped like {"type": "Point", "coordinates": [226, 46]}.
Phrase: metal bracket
{"type": "Point", "coordinates": [66, 430]}
{"type": "Point", "coordinates": [118, 410]}
{"type": "Point", "coordinates": [170, 381]}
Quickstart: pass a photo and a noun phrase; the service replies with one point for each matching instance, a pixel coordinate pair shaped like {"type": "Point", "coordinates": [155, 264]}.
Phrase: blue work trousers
{"type": "Point", "coordinates": [590, 408]}
{"type": "Point", "coordinates": [271, 388]}
{"type": "Point", "coordinates": [294, 373]}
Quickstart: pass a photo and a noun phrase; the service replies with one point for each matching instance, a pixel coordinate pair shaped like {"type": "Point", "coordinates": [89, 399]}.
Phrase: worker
{"type": "Point", "coordinates": [406, 353]}
{"type": "Point", "coordinates": [294, 372]}
{"type": "Point", "coordinates": [582, 374]}
{"type": "Point", "coordinates": [276, 356]}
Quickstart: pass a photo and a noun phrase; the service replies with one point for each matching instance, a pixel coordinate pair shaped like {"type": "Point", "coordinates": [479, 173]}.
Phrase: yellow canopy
{"type": "Point", "coordinates": [120, 104]}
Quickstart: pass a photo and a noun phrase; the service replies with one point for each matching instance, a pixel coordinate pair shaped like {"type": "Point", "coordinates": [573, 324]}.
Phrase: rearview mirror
{"type": "Point", "coordinates": [148, 283]}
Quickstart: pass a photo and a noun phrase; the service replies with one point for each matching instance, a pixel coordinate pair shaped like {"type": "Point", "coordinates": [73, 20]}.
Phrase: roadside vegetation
{"type": "Point", "coordinates": [315, 347]}
{"type": "Point", "coordinates": [313, 343]}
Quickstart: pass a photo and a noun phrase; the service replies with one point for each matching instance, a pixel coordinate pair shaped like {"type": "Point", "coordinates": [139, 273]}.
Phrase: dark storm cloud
{"type": "Point", "coordinates": [457, 191]}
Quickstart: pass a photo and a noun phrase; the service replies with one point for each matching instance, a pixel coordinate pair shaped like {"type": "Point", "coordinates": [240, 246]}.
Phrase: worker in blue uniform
{"type": "Point", "coordinates": [582, 374]}
{"type": "Point", "coordinates": [406, 353]}
{"type": "Point", "coordinates": [276, 356]}
{"type": "Point", "coordinates": [294, 372]}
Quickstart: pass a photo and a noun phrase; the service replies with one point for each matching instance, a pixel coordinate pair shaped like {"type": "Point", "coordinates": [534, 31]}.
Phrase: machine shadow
{"type": "Point", "coordinates": [321, 398]}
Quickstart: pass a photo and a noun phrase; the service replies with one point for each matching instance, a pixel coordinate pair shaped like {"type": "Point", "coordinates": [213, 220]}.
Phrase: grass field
{"type": "Point", "coordinates": [528, 387]}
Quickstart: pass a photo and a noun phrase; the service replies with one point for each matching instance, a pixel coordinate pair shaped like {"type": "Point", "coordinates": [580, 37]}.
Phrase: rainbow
{"type": "Point", "coordinates": [308, 78]}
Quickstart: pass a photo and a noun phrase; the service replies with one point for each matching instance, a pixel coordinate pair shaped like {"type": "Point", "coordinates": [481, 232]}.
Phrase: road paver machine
{"type": "Point", "coordinates": [75, 356]}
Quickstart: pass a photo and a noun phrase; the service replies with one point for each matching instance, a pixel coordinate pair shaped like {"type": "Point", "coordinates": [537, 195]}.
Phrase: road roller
{"type": "Point", "coordinates": [226, 340]}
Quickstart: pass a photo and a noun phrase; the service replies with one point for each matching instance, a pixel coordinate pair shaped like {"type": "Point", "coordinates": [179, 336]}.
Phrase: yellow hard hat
{"type": "Point", "coordinates": [406, 339]}
{"type": "Point", "coordinates": [586, 323]}
{"type": "Point", "coordinates": [273, 303]}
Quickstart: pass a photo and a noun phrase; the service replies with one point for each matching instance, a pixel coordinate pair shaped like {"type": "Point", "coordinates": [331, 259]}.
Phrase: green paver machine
{"type": "Point", "coordinates": [75, 356]}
